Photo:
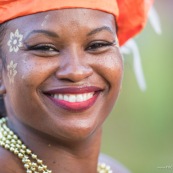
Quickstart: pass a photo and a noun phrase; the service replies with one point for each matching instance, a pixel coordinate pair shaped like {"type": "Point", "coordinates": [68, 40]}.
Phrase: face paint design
{"type": "Point", "coordinates": [11, 68]}
{"type": "Point", "coordinates": [45, 20]}
{"type": "Point", "coordinates": [117, 42]}
{"type": "Point", "coordinates": [15, 41]}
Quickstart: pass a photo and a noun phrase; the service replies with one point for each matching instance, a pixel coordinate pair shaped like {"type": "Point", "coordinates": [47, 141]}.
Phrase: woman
{"type": "Point", "coordinates": [61, 72]}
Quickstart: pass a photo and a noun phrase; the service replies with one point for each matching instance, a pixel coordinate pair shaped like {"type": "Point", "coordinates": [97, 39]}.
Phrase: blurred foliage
{"type": "Point", "coordinates": [139, 131]}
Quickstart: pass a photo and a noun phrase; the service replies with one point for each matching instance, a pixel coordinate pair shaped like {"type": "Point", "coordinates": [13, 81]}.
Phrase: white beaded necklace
{"type": "Point", "coordinates": [31, 162]}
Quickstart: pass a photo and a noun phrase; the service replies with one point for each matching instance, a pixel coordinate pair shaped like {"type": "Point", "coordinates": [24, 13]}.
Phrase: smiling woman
{"type": "Point", "coordinates": [61, 72]}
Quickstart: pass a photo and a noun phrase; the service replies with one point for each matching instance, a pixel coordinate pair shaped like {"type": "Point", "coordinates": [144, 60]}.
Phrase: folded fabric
{"type": "Point", "coordinates": [131, 15]}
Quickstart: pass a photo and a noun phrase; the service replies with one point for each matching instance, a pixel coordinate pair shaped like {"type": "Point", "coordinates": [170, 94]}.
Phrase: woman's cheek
{"type": "Point", "coordinates": [113, 74]}
{"type": "Point", "coordinates": [33, 71]}
{"type": "Point", "coordinates": [110, 67]}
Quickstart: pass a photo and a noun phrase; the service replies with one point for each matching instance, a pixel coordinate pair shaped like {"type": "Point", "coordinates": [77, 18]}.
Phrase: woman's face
{"type": "Point", "coordinates": [63, 71]}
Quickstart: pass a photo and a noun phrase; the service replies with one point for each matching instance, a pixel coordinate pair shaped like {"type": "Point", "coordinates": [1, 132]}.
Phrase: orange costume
{"type": "Point", "coordinates": [131, 15]}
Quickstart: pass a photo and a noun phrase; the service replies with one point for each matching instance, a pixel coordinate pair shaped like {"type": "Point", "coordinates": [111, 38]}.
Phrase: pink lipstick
{"type": "Point", "coordinates": [74, 98]}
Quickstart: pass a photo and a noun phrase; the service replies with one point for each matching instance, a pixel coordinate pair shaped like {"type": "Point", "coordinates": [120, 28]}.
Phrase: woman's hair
{"type": "Point", "coordinates": [3, 28]}
{"type": "Point", "coordinates": [2, 57]}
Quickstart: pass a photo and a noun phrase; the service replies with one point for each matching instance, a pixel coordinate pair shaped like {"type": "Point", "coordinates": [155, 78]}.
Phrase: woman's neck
{"type": "Point", "coordinates": [61, 156]}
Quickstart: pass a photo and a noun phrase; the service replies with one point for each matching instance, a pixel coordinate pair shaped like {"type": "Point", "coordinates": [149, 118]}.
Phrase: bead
{"type": "Point", "coordinates": [4, 133]}
{"type": "Point", "coordinates": [20, 155]}
{"type": "Point", "coordinates": [7, 142]}
{"type": "Point", "coordinates": [34, 164]}
{"type": "Point", "coordinates": [9, 137]}
{"type": "Point", "coordinates": [3, 139]}
{"type": "Point", "coordinates": [15, 137]}
{"type": "Point", "coordinates": [2, 143]}
{"type": "Point", "coordinates": [7, 146]}
{"type": "Point", "coordinates": [44, 167]}
{"type": "Point", "coordinates": [12, 145]}
{"type": "Point", "coordinates": [13, 141]}
{"type": "Point", "coordinates": [33, 168]}
{"type": "Point", "coordinates": [40, 168]}
{"type": "Point", "coordinates": [103, 168]}
{"type": "Point", "coordinates": [22, 151]}
{"type": "Point", "coordinates": [24, 160]}
{"type": "Point", "coordinates": [26, 166]}
{"type": "Point", "coordinates": [18, 146]}
{"type": "Point", "coordinates": [16, 151]}
{"type": "Point", "coordinates": [29, 162]}
{"type": "Point", "coordinates": [34, 156]}
{"type": "Point", "coordinates": [23, 147]}
{"type": "Point", "coordinates": [19, 142]}
{"type": "Point", "coordinates": [28, 151]}
{"type": "Point", "coordinates": [26, 157]}
{"type": "Point", "coordinates": [11, 133]}
{"type": "Point", "coordinates": [39, 161]}
{"type": "Point", "coordinates": [11, 149]}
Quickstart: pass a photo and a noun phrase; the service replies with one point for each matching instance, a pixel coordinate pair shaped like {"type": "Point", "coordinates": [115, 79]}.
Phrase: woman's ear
{"type": "Point", "coordinates": [2, 86]}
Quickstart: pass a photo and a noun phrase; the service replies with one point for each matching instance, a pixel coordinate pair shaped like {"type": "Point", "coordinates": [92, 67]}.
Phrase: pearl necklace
{"type": "Point", "coordinates": [10, 141]}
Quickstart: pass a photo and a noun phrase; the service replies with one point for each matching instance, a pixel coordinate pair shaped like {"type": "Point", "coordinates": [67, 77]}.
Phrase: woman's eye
{"type": "Point", "coordinates": [95, 46]}
{"type": "Point", "coordinates": [42, 48]}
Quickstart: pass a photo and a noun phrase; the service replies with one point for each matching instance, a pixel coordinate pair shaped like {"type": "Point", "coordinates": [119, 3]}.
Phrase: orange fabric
{"type": "Point", "coordinates": [131, 15]}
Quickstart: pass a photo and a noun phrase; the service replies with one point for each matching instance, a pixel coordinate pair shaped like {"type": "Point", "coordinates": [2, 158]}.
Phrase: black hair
{"type": "Point", "coordinates": [3, 28]}
{"type": "Point", "coordinates": [3, 59]}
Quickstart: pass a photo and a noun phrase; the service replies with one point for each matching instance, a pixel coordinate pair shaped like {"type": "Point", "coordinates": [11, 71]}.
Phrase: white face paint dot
{"type": "Point", "coordinates": [14, 41]}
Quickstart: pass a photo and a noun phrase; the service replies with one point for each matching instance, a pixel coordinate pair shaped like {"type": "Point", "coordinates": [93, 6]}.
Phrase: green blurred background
{"type": "Point", "coordinates": [139, 132]}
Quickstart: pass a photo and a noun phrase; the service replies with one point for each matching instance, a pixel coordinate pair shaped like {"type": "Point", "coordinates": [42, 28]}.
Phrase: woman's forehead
{"type": "Point", "coordinates": [64, 18]}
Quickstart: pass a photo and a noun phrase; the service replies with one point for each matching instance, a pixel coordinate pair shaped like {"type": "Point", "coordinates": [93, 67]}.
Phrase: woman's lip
{"type": "Point", "coordinates": [73, 90]}
{"type": "Point", "coordinates": [75, 106]}
{"type": "Point", "coordinates": [87, 97]}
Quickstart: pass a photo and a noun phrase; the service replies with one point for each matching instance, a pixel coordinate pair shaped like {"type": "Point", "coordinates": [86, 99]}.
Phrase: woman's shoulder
{"type": "Point", "coordinates": [114, 164]}
{"type": "Point", "coordinates": [8, 162]}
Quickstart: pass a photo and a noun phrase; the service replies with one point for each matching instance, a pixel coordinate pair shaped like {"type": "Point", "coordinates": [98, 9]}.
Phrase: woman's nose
{"type": "Point", "coordinates": [73, 68]}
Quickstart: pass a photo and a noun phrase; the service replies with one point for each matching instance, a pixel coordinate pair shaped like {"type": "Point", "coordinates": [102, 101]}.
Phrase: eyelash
{"type": "Point", "coordinates": [43, 47]}
{"type": "Point", "coordinates": [97, 45]}
{"type": "Point", "coordinates": [50, 48]}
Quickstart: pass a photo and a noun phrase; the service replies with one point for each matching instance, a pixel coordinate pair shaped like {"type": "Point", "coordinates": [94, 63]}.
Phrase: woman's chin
{"type": "Point", "coordinates": [77, 132]}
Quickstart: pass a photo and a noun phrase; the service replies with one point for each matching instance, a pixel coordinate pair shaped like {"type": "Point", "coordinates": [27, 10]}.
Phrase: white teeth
{"type": "Point", "coordinates": [79, 98]}
{"type": "Point", "coordinates": [66, 97]}
{"type": "Point", "coordinates": [60, 96]}
{"type": "Point", "coordinates": [74, 97]}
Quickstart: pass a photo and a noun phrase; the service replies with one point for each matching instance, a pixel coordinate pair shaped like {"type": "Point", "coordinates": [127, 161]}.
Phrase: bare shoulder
{"type": "Point", "coordinates": [9, 163]}
{"type": "Point", "coordinates": [116, 166]}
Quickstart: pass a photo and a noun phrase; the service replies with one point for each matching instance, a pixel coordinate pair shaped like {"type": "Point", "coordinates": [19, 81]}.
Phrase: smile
{"type": "Point", "coordinates": [74, 99]}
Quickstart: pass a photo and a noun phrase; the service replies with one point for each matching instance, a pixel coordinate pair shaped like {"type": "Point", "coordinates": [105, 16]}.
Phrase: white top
{"type": "Point", "coordinates": [116, 167]}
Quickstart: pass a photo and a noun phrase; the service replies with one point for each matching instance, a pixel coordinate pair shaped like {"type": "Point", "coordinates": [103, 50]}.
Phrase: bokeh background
{"type": "Point", "coordinates": [139, 131]}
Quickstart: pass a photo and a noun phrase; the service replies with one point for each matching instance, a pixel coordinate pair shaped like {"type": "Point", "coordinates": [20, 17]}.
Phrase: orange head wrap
{"type": "Point", "coordinates": [131, 15]}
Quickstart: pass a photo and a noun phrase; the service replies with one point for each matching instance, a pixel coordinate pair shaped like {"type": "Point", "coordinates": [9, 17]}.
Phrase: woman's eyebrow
{"type": "Point", "coordinates": [45, 32]}
{"type": "Point", "coordinates": [106, 28]}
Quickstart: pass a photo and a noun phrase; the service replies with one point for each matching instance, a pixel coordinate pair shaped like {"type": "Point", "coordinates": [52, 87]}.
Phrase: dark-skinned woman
{"type": "Point", "coordinates": [61, 74]}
